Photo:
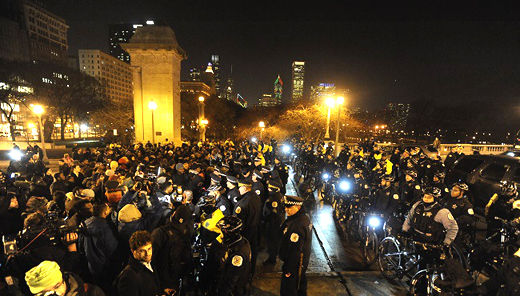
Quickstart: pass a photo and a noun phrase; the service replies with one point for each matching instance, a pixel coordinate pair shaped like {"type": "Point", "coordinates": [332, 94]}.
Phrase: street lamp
{"type": "Point", "coordinates": [38, 110]}
{"type": "Point", "coordinates": [203, 123]}
{"type": "Point", "coordinates": [152, 106]}
{"type": "Point", "coordinates": [339, 102]}
{"type": "Point", "coordinates": [330, 103]}
{"type": "Point", "coordinates": [261, 125]}
{"type": "Point", "coordinates": [202, 126]}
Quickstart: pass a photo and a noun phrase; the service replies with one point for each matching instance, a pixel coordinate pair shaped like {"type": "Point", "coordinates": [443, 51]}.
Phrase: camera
{"type": "Point", "coordinates": [52, 229]}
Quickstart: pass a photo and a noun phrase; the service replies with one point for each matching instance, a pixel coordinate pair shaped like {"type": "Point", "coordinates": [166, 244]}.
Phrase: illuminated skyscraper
{"type": "Point", "coordinates": [215, 61]}
{"type": "Point", "coordinates": [278, 88]}
{"type": "Point", "coordinates": [194, 74]}
{"type": "Point", "coordinates": [298, 73]}
{"type": "Point", "coordinates": [117, 34]}
{"type": "Point", "coordinates": [267, 100]}
{"type": "Point", "coordinates": [397, 115]}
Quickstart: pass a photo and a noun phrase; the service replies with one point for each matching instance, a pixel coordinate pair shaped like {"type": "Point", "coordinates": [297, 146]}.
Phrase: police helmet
{"type": "Point", "coordinates": [229, 225]}
{"type": "Point", "coordinates": [509, 188]}
{"type": "Point", "coordinates": [462, 186]}
{"type": "Point", "coordinates": [433, 191]}
{"type": "Point", "coordinates": [440, 175]}
{"type": "Point", "coordinates": [389, 178]}
{"type": "Point", "coordinates": [411, 173]}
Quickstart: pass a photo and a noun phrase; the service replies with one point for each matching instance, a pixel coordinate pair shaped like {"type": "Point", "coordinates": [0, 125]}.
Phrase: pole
{"type": "Point", "coordinates": [327, 135]}
{"type": "Point", "coordinates": [153, 128]}
{"type": "Point", "coordinates": [202, 127]}
{"type": "Point", "coordinates": [336, 150]}
{"type": "Point", "coordinates": [42, 140]}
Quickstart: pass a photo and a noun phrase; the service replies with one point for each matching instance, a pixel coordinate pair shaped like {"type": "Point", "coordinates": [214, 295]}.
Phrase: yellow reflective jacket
{"type": "Point", "coordinates": [211, 223]}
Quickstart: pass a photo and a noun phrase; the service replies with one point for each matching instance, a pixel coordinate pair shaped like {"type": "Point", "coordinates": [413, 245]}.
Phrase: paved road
{"type": "Point", "coordinates": [335, 266]}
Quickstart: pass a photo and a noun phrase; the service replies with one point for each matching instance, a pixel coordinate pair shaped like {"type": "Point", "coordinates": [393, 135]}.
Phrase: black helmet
{"type": "Point", "coordinates": [433, 191]}
{"type": "Point", "coordinates": [509, 188]}
{"type": "Point", "coordinates": [389, 178]}
{"type": "Point", "coordinates": [229, 225]}
{"type": "Point", "coordinates": [463, 186]}
{"type": "Point", "coordinates": [440, 175]}
{"type": "Point", "coordinates": [411, 173]}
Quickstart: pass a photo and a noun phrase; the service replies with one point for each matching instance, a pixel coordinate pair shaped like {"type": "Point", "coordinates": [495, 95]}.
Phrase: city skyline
{"type": "Point", "coordinates": [379, 53]}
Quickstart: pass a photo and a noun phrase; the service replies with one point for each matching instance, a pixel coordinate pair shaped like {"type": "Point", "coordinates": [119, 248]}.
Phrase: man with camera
{"type": "Point", "coordinates": [44, 237]}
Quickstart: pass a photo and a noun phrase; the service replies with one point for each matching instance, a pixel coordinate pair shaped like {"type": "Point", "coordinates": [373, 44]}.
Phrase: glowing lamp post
{"type": "Point", "coordinates": [203, 123]}
{"type": "Point", "coordinates": [330, 103]}
{"type": "Point", "coordinates": [202, 126]}
{"type": "Point", "coordinates": [38, 110]}
{"type": "Point", "coordinates": [339, 102]}
{"type": "Point", "coordinates": [152, 106]}
{"type": "Point", "coordinates": [261, 125]}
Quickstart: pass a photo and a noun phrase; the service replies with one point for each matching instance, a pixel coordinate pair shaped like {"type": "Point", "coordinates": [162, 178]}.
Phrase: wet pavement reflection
{"type": "Point", "coordinates": [335, 266]}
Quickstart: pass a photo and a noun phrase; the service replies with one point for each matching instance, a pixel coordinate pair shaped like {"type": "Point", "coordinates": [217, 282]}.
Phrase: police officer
{"type": "Point", "coordinates": [428, 220]}
{"type": "Point", "coordinates": [249, 210]}
{"type": "Point", "coordinates": [273, 216]}
{"type": "Point", "coordinates": [438, 181]}
{"type": "Point", "coordinates": [222, 202]}
{"type": "Point", "coordinates": [410, 189]}
{"type": "Point", "coordinates": [432, 223]}
{"type": "Point", "coordinates": [233, 274]}
{"type": "Point", "coordinates": [232, 190]}
{"type": "Point", "coordinates": [462, 210]}
{"type": "Point", "coordinates": [295, 247]}
{"type": "Point", "coordinates": [258, 187]}
{"type": "Point", "coordinates": [386, 197]}
{"type": "Point", "coordinates": [283, 171]}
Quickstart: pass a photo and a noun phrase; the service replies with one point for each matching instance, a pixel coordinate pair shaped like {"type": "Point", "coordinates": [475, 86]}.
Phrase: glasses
{"type": "Point", "coordinates": [53, 290]}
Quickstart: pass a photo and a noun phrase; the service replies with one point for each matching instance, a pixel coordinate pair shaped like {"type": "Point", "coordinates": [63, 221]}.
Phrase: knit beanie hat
{"type": "Point", "coordinates": [129, 213]}
{"type": "Point", "coordinates": [46, 274]}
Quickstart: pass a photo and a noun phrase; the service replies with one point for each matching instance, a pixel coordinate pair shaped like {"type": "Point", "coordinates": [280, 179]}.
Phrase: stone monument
{"type": "Point", "coordinates": [156, 65]}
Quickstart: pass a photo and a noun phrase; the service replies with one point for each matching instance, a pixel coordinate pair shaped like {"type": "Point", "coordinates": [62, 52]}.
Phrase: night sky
{"type": "Point", "coordinates": [398, 53]}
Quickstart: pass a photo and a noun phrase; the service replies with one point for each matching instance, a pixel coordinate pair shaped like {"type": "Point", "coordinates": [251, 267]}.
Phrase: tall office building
{"type": "Point", "coordinates": [229, 89]}
{"type": "Point", "coordinates": [298, 74]}
{"type": "Point", "coordinates": [397, 115]}
{"type": "Point", "coordinates": [208, 77]}
{"type": "Point", "coordinates": [47, 33]}
{"type": "Point", "coordinates": [215, 61]}
{"type": "Point", "coordinates": [194, 74]}
{"type": "Point", "coordinates": [321, 91]}
{"type": "Point", "coordinates": [241, 101]}
{"type": "Point", "coordinates": [267, 100]}
{"type": "Point", "coordinates": [278, 89]}
{"type": "Point", "coordinates": [117, 34]}
{"type": "Point", "coordinates": [115, 75]}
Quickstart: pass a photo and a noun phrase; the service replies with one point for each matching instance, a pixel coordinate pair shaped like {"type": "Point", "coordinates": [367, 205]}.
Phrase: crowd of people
{"type": "Point", "coordinates": [191, 219]}
{"type": "Point", "coordinates": [150, 220]}
{"type": "Point", "coordinates": [409, 189]}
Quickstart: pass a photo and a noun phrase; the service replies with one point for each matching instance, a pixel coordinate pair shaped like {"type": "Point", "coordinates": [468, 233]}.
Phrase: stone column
{"type": "Point", "coordinates": [156, 62]}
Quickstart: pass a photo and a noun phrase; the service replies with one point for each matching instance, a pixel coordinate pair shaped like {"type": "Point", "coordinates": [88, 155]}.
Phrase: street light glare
{"type": "Point", "coordinates": [152, 105]}
{"type": "Point", "coordinates": [201, 99]}
{"type": "Point", "coordinates": [38, 109]}
{"type": "Point", "coordinates": [261, 124]}
{"type": "Point", "coordinates": [340, 100]}
{"type": "Point", "coordinates": [83, 127]}
{"type": "Point", "coordinates": [329, 101]}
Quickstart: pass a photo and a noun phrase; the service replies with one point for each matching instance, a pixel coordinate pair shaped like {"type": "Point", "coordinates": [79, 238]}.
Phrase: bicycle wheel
{"type": "Point", "coordinates": [369, 247]}
{"type": "Point", "coordinates": [389, 258]}
{"type": "Point", "coordinates": [422, 283]}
